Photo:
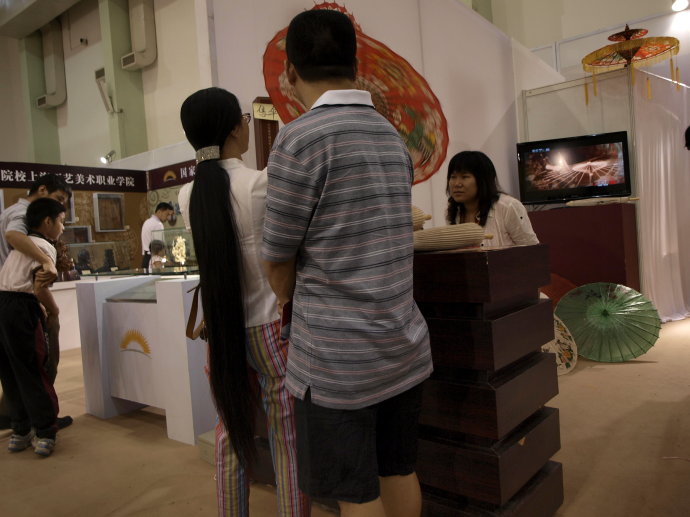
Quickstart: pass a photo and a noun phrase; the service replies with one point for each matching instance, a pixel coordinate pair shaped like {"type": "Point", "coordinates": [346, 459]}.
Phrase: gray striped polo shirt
{"type": "Point", "coordinates": [339, 199]}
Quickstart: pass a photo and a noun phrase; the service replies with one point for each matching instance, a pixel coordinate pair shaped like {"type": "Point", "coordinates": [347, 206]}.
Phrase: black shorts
{"type": "Point", "coordinates": [341, 453]}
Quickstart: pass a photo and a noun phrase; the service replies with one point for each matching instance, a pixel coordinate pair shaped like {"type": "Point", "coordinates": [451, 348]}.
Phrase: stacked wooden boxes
{"type": "Point", "coordinates": [486, 438]}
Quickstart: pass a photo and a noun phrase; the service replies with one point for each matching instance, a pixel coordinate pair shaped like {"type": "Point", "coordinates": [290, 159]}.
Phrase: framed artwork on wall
{"type": "Point", "coordinates": [76, 234]}
{"type": "Point", "coordinates": [109, 212]}
{"type": "Point", "coordinates": [69, 211]}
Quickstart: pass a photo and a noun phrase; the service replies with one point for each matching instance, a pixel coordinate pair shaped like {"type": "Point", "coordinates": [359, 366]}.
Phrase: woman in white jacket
{"type": "Point", "coordinates": [474, 197]}
{"type": "Point", "coordinates": [225, 207]}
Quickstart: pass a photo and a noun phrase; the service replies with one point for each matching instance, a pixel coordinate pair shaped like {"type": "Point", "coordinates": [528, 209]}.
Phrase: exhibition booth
{"type": "Point", "coordinates": [642, 244]}
{"type": "Point", "coordinates": [487, 436]}
{"type": "Point", "coordinates": [128, 323]}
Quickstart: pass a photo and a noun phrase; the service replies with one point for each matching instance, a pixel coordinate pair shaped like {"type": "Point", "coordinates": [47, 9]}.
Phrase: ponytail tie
{"type": "Point", "coordinates": [208, 153]}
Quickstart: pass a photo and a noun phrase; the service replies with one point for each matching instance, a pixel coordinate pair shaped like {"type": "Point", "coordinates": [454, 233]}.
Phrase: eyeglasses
{"type": "Point", "coordinates": [247, 117]}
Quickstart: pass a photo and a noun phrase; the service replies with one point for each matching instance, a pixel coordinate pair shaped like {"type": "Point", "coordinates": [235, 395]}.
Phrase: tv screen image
{"type": "Point", "coordinates": [559, 170]}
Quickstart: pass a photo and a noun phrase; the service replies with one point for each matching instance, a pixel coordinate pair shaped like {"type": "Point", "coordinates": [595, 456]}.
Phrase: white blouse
{"type": "Point", "coordinates": [509, 224]}
{"type": "Point", "coordinates": [248, 194]}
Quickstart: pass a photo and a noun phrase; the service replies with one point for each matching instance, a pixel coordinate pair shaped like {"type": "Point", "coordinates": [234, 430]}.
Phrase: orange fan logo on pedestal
{"type": "Point", "coordinates": [134, 341]}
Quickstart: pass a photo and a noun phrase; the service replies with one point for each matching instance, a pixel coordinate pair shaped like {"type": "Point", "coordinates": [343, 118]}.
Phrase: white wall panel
{"type": "Point", "coordinates": [13, 125]}
{"type": "Point", "coordinates": [176, 72]}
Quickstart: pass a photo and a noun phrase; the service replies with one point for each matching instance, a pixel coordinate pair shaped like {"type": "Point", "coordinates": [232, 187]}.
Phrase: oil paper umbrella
{"type": "Point", "coordinates": [609, 322]}
{"type": "Point", "coordinates": [398, 91]}
{"type": "Point", "coordinates": [631, 50]}
{"type": "Point", "coordinates": [563, 346]}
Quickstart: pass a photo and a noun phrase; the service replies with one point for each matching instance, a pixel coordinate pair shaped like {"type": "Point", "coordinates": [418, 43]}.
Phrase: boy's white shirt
{"type": "Point", "coordinates": [16, 275]}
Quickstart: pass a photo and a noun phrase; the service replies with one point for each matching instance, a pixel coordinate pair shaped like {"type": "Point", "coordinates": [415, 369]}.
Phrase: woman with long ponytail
{"type": "Point", "coordinates": [225, 207]}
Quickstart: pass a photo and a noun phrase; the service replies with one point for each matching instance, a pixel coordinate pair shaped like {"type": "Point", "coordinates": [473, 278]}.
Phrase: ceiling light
{"type": "Point", "coordinates": [679, 5]}
{"type": "Point", "coordinates": [109, 157]}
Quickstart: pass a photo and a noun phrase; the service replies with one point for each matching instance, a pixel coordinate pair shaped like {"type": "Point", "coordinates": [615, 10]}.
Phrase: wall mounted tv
{"type": "Point", "coordinates": [563, 169]}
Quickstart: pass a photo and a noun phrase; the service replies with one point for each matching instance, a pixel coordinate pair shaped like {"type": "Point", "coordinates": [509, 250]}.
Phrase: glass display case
{"type": "Point", "coordinates": [168, 271]}
{"type": "Point", "coordinates": [172, 247]}
{"type": "Point", "coordinates": [100, 257]}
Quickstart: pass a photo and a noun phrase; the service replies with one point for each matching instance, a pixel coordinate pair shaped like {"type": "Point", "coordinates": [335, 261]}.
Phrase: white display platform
{"type": "Point", "coordinates": [136, 354]}
{"type": "Point", "coordinates": [65, 294]}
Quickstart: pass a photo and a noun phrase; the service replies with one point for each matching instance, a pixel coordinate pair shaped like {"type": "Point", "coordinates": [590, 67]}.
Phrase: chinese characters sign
{"type": "Point", "coordinates": [265, 111]}
{"type": "Point", "coordinates": [22, 175]}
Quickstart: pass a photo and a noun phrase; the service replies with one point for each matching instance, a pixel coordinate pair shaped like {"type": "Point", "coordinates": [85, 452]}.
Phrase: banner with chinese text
{"type": "Point", "coordinates": [172, 175]}
{"type": "Point", "coordinates": [22, 175]}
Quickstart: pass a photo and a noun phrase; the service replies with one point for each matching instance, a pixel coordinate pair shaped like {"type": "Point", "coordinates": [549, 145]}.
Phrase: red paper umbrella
{"type": "Point", "coordinates": [399, 93]}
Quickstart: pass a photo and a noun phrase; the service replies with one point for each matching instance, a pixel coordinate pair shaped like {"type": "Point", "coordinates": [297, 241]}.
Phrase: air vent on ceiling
{"type": "Point", "coordinates": [128, 60]}
{"type": "Point", "coordinates": [53, 67]}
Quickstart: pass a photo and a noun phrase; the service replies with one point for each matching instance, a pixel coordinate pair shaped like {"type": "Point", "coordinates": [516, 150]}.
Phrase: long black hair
{"type": "Point", "coordinates": [480, 166]}
{"type": "Point", "coordinates": [208, 117]}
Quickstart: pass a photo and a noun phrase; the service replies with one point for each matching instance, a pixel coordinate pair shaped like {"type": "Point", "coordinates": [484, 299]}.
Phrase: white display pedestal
{"type": "Point", "coordinates": [65, 295]}
{"type": "Point", "coordinates": [136, 354]}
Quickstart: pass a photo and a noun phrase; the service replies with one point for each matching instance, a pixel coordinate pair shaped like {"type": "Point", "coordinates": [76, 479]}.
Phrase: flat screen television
{"type": "Point", "coordinates": [563, 169]}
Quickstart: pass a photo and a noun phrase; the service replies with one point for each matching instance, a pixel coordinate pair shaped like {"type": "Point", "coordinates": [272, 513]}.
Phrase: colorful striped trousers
{"type": "Point", "coordinates": [267, 356]}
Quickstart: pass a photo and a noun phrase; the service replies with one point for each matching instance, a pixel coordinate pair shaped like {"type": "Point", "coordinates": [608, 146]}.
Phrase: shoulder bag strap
{"type": "Point", "coordinates": [199, 331]}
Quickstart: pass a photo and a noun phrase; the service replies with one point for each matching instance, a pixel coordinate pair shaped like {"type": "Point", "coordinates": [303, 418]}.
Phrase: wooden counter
{"type": "Point", "coordinates": [485, 435]}
{"type": "Point", "coordinates": [486, 438]}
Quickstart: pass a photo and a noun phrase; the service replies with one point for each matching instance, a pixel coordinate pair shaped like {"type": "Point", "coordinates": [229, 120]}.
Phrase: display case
{"type": "Point", "coordinates": [100, 257]}
{"type": "Point", "coordinates": [172, 247]}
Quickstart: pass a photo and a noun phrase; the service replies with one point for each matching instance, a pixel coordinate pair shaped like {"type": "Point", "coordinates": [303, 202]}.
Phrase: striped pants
{"type": "Point", "coordinates": [267, 356]}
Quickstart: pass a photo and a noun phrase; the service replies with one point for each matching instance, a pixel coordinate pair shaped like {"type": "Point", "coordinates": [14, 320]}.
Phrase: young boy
{"type": "Point", "coordinates": [25, 383]}
{"type": "Point", "coordinates": [14, 235]}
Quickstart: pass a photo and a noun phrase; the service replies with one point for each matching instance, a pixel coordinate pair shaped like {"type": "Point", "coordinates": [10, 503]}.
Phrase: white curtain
{"type": "Point", "coordinates": [663, 185]}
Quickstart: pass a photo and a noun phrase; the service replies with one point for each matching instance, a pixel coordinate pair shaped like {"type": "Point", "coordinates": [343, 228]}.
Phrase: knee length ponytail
{"type": "Point", "coordinates": [208, 117]}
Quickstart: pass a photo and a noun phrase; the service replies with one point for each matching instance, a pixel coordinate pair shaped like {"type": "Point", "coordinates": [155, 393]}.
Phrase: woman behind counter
{"type": "Point", "coordinates": [474, 197]}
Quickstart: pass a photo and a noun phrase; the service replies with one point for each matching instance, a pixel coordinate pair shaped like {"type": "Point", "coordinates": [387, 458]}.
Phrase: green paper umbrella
{"type": "Point", "coordinates": [609, 322]}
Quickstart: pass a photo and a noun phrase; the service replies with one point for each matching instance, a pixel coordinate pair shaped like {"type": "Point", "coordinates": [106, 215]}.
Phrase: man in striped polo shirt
{"type": "Point", "coordinates": [338, 243]}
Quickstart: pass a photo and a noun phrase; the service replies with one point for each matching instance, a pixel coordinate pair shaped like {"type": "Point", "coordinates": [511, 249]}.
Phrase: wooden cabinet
{"type": "Point", "coordinates": [591, 243]}
{"type": "Point", "coordinates": [486, 437]}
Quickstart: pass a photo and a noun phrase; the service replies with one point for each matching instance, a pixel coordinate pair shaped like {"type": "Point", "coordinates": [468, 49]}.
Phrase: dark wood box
{"type": "Point", "coordinates": [493, 407]}
{"type": "Point", "coordinates": [540, 497]}
{"type": "Point", "coordinates": [488, 344]}
{"type": "Point", "coordinates": [495, 472]}
{"type": "Point", "coordinates": [480, 276]}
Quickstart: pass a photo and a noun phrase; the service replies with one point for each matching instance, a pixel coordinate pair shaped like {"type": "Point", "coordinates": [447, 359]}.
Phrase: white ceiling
{"type": "Point", "coordinates": [19, 18]}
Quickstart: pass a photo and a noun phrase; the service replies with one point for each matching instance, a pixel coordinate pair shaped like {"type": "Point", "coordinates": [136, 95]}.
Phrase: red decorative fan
{"type": "Point", "coordinates": [399, 93]}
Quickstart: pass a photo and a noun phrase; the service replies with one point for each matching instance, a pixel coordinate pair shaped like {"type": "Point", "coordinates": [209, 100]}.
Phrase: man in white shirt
{"type": "Point", "coordinates": [163, 213]}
